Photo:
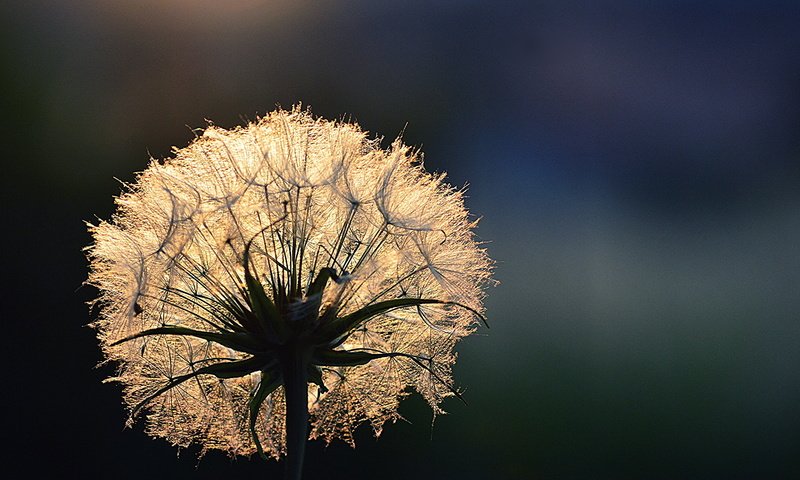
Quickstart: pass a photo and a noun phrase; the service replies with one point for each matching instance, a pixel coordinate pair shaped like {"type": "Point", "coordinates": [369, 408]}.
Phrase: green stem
{"type": "Point", "coordinates": [295, 385]}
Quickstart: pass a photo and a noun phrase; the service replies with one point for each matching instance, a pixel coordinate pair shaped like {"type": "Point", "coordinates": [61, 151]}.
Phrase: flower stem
{"type": "Point", "coordinates": [296, 393]}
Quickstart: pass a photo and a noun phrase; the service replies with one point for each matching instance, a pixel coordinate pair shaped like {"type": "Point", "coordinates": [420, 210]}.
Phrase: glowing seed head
{"type": "Point", "coordinates": [288, 234]}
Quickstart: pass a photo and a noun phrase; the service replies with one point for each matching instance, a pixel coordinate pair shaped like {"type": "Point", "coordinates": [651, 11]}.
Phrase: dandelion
{"type": "Point", "coordinates": [284, 280]}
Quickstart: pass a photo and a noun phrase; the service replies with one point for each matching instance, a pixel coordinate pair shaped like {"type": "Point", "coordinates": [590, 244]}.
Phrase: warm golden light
{"type": "Point", "coordinates": [290, 239]}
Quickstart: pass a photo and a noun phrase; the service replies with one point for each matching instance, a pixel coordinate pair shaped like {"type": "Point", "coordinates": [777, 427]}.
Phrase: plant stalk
{"type": "Point", "coordinates": [295, 385]}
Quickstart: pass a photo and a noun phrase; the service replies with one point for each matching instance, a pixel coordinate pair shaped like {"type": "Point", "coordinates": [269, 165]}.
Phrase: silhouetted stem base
{"type": "Point", "coordinates": [296, 392]}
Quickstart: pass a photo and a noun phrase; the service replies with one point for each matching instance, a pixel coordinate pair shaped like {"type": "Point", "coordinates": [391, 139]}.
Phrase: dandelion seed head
{"type": "Point", "coordinates": [283, 200]}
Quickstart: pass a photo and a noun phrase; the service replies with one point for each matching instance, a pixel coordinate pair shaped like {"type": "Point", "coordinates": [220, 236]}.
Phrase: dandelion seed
{"type": "Point", "coordinates": [284, 280]}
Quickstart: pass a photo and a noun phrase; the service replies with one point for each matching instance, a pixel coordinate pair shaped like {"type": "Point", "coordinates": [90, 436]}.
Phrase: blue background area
{"type": "Point", "coordinates": [635, 165]}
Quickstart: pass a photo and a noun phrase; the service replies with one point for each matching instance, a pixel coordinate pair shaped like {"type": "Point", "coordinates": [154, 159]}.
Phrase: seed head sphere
{"type": "Point", "coordinates": [292, 254]}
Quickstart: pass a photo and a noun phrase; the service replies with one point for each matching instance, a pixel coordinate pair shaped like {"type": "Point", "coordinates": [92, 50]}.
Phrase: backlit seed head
{"type": "Point", "coordinates": [272, 207]}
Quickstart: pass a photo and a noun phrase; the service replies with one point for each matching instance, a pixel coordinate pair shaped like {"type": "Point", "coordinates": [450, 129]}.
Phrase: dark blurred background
{"type": "Point", "coordinates": [636, 165]}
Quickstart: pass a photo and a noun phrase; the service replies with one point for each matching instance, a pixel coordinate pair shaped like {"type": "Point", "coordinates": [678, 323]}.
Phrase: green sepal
{"type": "Point", "coordinates": [337, 330]}
{"type": "Point", "coordinates": [343, 358]}
{"type": "Point", "coordinates": [237, 368]}
{"type": "Point", "coordinates": [267, 315]}
{"type": "Point", "coordinates": [321, 281]}
{"type": "Point", "coordinates": [270, 380]}
{"type": "Point", "coordinates": [334, 333]}
{"type": "Point", "coordinates": [242, 342]}
{"type": "Point", "coordinates": [314, 294]}
{"type": "Point", "coordinates": [314, 375]}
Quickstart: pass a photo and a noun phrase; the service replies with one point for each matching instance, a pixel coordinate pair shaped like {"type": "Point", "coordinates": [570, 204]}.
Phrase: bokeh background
{"type": "Point", "coordinates": [636, 165]}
